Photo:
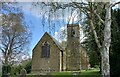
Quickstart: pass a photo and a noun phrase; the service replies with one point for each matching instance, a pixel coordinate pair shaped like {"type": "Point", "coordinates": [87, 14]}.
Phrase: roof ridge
{"type": "Point", "coordinates": [56, 41]}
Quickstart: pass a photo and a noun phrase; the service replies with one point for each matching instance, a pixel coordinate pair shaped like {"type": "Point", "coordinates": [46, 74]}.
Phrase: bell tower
{"type": "Point", "coordinates": [73, 47]}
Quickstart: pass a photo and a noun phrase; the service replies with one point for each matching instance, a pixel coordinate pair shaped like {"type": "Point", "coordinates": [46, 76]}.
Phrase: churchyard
{"type": "Point", "coordinates": [59, 39]}
{"type": "Point", "coordinates": [83, 73]}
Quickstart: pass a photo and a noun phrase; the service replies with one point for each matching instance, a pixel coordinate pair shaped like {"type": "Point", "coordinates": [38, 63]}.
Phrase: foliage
{"type": "Point", "coordinates": [92, 50]}
{"type": "Point", "coordinates": [6, 69]}
{"type": "Point", "coordinates": [114, 51]}
{"type": "Point", "coordinates": [27, 66]}
{"type": "Point", "coordinates": [16, 69]}
{"type": "Point", "coordinates": [90, 42]}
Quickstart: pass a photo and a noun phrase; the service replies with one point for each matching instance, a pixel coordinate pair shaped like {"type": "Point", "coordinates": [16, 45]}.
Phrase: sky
{"type": "Point", "coordinates": [33, 18]}
{"type": "Point", "coordinates": [37, 29]}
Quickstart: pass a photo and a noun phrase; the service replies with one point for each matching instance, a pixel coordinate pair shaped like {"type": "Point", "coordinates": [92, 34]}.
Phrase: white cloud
{"type": "Point", "coordinates": [60, 41]}
{"type": "Point", "coordinates": [61, 34]}
{"type": "Point", "coordinates": [56, 34]}
{"type": "Point", "coordinates": [24, 57]}
{"type": "Point", "coordinates": [62, 28]}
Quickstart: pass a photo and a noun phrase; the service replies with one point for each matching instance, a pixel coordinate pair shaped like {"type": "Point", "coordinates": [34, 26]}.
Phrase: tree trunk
{"type": "Point", "coordinates": [106, 43]}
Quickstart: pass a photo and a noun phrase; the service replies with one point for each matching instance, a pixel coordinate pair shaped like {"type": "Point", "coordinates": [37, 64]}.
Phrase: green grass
{"type": "Point", "coordinates": [90, 72]}
{"type": "Point", "coordinates": [83, 73]}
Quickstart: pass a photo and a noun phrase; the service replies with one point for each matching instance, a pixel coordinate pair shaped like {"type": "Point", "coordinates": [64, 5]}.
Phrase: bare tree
{"type": "Point", "coordinates": [15, 37]}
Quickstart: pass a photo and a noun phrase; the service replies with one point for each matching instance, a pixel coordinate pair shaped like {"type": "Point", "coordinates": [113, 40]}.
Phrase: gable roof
{"type": "Point", "coordinates": [55, 41]}
{"type": "Point", "coordinates": [58, 44]}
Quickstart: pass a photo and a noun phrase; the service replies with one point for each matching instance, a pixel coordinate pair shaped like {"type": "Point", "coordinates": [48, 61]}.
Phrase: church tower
{"type": "Point", "coordinates": [73, 47]}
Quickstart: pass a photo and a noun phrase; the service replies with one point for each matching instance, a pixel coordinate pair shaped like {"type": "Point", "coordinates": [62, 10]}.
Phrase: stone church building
{"type": "Point", "coordinates": [49, 55]}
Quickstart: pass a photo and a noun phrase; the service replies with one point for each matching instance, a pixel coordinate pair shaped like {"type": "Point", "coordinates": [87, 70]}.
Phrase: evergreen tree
{"type": "Point", "coordinates": [115, 44]}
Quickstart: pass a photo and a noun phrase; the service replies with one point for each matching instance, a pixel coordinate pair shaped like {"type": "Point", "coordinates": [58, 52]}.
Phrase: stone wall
{"type": "Point", "coordinates": [46, 65]}
{"type": "Point", "coordinates": [84, 58]}
{"type": "Point", "coordinates": [72, 49]}
{"type": "Point", "coordinates": [76, 55]}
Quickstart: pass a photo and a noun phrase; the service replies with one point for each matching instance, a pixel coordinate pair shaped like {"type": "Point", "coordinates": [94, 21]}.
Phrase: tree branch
{"type": "Point", "coordinates": [114, 4]}
{"type": "Point", "coordinates": [99, 17]}
{"type": "Point", "coordinates": [95, 34]}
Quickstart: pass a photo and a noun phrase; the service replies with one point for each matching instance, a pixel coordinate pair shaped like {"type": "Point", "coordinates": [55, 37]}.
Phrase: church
{"type": "Point", "coordinates": [49, 55]}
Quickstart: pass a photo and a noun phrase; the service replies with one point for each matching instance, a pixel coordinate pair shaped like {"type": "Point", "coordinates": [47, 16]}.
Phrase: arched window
{"type": "Point", "coordinates": [45, 50]}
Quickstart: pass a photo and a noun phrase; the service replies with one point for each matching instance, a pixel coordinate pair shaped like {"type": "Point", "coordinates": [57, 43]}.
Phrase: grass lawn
{"type": "Point", "coordinates": [83, 73]}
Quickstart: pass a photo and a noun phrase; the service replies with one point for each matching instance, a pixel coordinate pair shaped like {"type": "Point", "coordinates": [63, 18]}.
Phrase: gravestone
{"type": "Point", "coordinates": [76, 73]}
{"type": "Point", "coordinates": [23, 73]}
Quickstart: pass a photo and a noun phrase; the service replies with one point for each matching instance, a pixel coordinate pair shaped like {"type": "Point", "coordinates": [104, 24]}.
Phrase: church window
{"type": "Point", "coordinates": [45, 50]}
